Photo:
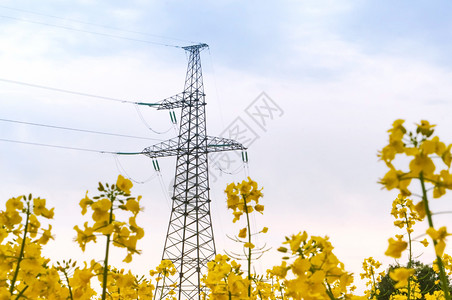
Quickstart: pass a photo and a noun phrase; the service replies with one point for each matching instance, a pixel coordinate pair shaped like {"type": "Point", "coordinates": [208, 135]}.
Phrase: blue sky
{"type": "Point", "coordinates": [341, 72]}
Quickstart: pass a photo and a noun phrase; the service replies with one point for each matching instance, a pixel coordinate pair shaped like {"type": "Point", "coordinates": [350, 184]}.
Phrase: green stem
{"type": "Point", "coordinates": [249, 249]}
{"type": "Point", "coordinates": [107, 250]}
{"type": "Point", "coordinates": [442, 273]}
{"type": "Point", "coordinates": [410, 258]}
{"type": "Point", "coordinates": [329, 292]}
{"type": "Point", "coordinates": [22, 249]}
{"type": "Point", "coordinates": [105, 271]}
{"type": "Point", "coordinates": [374, 287]}
{"type": "Point", "coordinates": [22, 292]}
{"type": "Point", "coordinates": [68, 284]}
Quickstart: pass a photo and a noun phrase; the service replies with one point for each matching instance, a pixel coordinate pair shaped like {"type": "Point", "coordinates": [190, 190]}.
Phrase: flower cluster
{"type": "Point", "coordinates": [317, 272]}
{"type": "Point", "coordinates": [24, 272]}
{"type": "Point", "coordinates": [111, 198]}
{"type": "Point", "coordinates": [122, 285]}
{"type": "Point", "coordinates": [243, 198]}
{"type": "Point", "coordinates": [406, 215]}
{"type": "Point", "coordinates": [370, 267]}
{"type": "Point", "coordinates": [421, 149]}
{"type": "Point", "coordinates": [224, 279]}
{"type": "Point", "coordinates": [240, 198]}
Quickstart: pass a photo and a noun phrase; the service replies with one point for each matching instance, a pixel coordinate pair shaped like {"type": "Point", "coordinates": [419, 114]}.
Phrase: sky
{"type": "Point", "coordinates": [329, 78]}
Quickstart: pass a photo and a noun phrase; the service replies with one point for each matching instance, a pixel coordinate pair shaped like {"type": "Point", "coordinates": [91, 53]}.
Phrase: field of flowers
{"type": "Point", "coordinates": [309, 269]}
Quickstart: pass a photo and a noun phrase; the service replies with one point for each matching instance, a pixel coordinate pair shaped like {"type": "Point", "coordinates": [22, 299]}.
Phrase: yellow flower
{"type": "Point", "coordinates": [439, 236]}
{"type": "Point", "coordinates": [396, 247]}
{"type": "Point", "coordinates": [10, 218]}
{"type": "Point", "coordinates": [264, 230]}
{"type": "Point", "coordinates": [301, 266]}
{"type": "Point", "coordinates": [3, 234]}
{"type": "Point", "coordinates": [425, 128]}
{"type": "Point", "coordinates": [296, 240]}
{"type": "Point", "coordinates": [433, 146]}
{"type": "Point", "coordinates": [242, 233]}
{"type": "Point", "coordinates": [135, 228]}
{"type": "Point", "coordinates": [46, 236]}
{"type": "Point", "coordinates": [397, 131]}
{"type": "Point", "coordinates": [420, 209]}
{"type": "Point", "coordinates": [244, 187]}
{"type": "Point", "coordinates": [237, 215]}
{"type": "Point", "coordinates": [422, 163]}
{"type": "Point", "coordinates": [447, 156]}
{"type": "Point", "coordinates": [34, 225]}
{"type": "Point", "coordinates": [85, 236]}
{"type": "Point", "coordinates": [233, 201]}
{"type": "Point", "coordinates": [128, 258]}
{"type": "Point", "coordinates": [124, 184]}
{"type": "Point", "coordinates": [249, 245]}
{"type": "Point", "coordinates": [443, 182]}
{"type": "Point", "coordinates": [424, 242]}
{"type": "Point", "coordinates": [39, 208]}
{"type": "Point", "coordinates": [401, 275]}
{"type": "Point", "coordinates": [85, 202]}
{"type": "Point", "coordinates": [395, 179]}
{"type": "Point", "coordinates": [101, 210]}
{"type": "Point", "coordinates": [104, 228]}
{"type": "Point", "coordinates": [48, 213]}
{"type": "Point", "coordinates": [280, 271]}
{"type": "Point", "coordinates": [133, 205]}
{"type": "Point", "coordinates": [14, 204]}
{"type": "Point", "coordinates": [259, 208]}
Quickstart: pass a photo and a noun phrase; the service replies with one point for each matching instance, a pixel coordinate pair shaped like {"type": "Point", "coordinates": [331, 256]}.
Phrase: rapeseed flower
{"type": "Point", "coordinates": [396, 247]}
{"type": "Point", "coordinates": [124, 184]}
{"type": "Point", "coordinates": [439, 236]}
{"type": "Point", "coordinates": [401, 275]}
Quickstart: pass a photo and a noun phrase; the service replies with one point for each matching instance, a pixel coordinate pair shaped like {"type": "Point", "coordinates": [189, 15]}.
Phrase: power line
{"type": "Point", "coordinates": [79, 130]}
{"type": "Point", "coordinates": [69, 148]}
{"type": "Point", "coordinates": [96, 25]}
{"type": "Point", "coordinates": [66, 91]}
{"type": "Point", "coordinates": [55, 146]}
{"type": "Point", "coordinates": [75, 92]}
{"type": "Point", "coordinates": [91, 32]}
{"type": "Point", "coordinates": [146, 123]}
{"type": "Point", "coordinates": [122, 170]}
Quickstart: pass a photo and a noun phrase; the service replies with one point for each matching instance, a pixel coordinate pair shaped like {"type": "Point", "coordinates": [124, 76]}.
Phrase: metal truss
{"type": "Point", "coordinates": [189, 241]}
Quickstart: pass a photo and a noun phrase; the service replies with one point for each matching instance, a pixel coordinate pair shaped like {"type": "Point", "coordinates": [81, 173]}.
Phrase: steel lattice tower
{"type": "Point", "coordinates": [189, 241]}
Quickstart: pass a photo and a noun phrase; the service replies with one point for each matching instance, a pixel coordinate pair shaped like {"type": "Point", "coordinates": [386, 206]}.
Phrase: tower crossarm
{"type": "Point", "coordinates": [218, 144]}
{"type": "Point", "coordinates": [171, 147]}
{"type": "Point", "coordinates": [175, 101]}
{"type": "Point", "coordinates": [166, 148]}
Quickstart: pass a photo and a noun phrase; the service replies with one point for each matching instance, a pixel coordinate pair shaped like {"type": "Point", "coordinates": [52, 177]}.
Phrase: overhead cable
{"type": "Point", "coordinates": [96, 25]}
{"type": "Point", "coordinates": [146, 123]}
{"type": "Point", "coordinates": [79, 130]}
{"type": "Point", "coordinates": [65, 91]}
{"type": "Point", "coordinates": [122, 170]}
{"type": "Point", "coordinates": [76, 93]}
{"type": "Point", "coordinates": [69, 148]}
{"type": "Point", "coordinates": [91, 32]}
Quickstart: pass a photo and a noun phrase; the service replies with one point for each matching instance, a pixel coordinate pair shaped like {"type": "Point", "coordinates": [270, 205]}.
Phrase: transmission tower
{"type": "Point", "coordinates": [189, 241]}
